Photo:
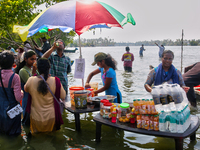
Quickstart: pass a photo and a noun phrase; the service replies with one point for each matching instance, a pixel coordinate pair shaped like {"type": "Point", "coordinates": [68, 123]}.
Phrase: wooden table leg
{"type": "Point", "coordinates": [98, 132]}
{"type": "Point", "coordinates": [77, 121]}
{"type": "Point", "coordinates": [179, 144]}
{"type": "Point", "coordinates": [193, 137]}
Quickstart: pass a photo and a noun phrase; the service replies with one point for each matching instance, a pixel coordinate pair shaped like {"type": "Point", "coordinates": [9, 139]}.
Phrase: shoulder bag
{"type": "Point", "coordinates": [11, 111]}
{"type": "Point", "coordinates": [61, 104]}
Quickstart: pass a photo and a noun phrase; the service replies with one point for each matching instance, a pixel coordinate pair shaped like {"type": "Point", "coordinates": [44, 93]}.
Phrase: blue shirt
{"type": "Point", "coordinates": [113, 89]}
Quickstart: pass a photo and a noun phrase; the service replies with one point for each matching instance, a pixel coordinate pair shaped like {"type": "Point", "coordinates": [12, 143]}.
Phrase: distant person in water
{"type": "Point", "coordinates": [128, 59]}
{"type": "Point", "coordinates": [141, 50]}
{"type": "Point", "coordinates": [161, 50]}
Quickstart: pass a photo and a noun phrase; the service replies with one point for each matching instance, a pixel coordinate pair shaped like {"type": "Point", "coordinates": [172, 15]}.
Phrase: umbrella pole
{"type": "Point", "coordinates": [80, 55]}
{"type": "Point", "coordinates": [182, 51]}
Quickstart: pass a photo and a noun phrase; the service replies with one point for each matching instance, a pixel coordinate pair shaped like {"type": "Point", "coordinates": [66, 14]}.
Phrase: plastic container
{"type": "Point", "coordinates": [91, 92]}
{"type": "Point", "coordinates": [125, 112]}
{"type": "Point", "coordinates": [80, 98]}
{"type": "Point", "coordinates": [114, 115]}
{"type": "Point", "coordinates": [156, 122]}
{"type": "Point", "coordinates": [133, 116]}
{"type": "Point", "coordinates": [106, 110]}
{"type": "Point", "coordinates": [151, 122]}
{"type": "Point", "coordinates": [94, 85]}
{"type": "Point", "coordinates": [72, 90]}
{"type": "Point", "coordinates": [101, 105]}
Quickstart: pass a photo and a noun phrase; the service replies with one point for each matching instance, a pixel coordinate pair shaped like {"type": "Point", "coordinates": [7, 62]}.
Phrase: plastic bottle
{"type": "Point", "coordinates": [180, 122]}
{"type": "Point", "coordinates": [143, 121]}
{"type": "Point", "coordinates": [177, 97]}
{"type": "Point", "coordinates": [151, 122]}
{"type": "Point", "coordinates": [156, 98]}
{"type": "Point", "coordinates": [148, 103]}
{"type": "Point", "coordinates": [163, 99]}
{"type": "Point", "coordinates": [172, 125]}
{"type": "Point", "coordinates": [144, 107]}
{"type": "Point", "coordinates": [132, 120]}
{"type": "Point", "coordinates": [184, 96]}
{"type": "Point", "coordinates": [153, 110]}
{"type": "Point", "coordinates": [139, 102]}
{"type": "Point", "coordinates": [147, 122]}
{"type": "Point", "coordinates": [118, 112]}
{"type": "Point", "coordinates": [139, 121]}
{"type": "Point", "coordinates": [162, 121]}
{"type": "Point", "coordinates": [114, 115]}
{"type": "Point", "coordinates": [156, 122]}
{"type": "Point", "coordinates": [136, 107]}
{"type": "Point", "coordinates": [170, 98]}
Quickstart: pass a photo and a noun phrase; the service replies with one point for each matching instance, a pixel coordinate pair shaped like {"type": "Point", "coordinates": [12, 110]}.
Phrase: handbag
{"type": "Point", "coordinates": [60, 102]}
{"type": "Point", "coordinates": [14, 109]}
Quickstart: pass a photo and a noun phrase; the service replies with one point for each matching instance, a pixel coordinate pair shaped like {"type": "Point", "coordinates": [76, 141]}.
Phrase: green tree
{"type": "Point", "coordinates": [193, 43]}
{"type": "Point", "coordinates": [22, 12]}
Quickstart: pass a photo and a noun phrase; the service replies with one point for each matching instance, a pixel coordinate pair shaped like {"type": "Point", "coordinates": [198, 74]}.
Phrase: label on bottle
{"type": "Point", "coordinates": [177, 99]}
{"type": "Point", "coordinates": [156, 100]}
{"type": "Point", "coordinates": [163, 99]}
{"type": "Point", "coordinates": [170, 99]}
{"type": "Point", "coordinates": [139, 123]}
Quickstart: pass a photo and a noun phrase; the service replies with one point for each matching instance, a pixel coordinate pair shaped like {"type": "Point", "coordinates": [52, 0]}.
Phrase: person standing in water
{"type": "Point", "coordinates": [141, 50]}
{"type": "Point", "coordinates": [161, 50]}
{"type": "Point", "coordinates": [107, 69]}
{"type": "Point", "coordinates": [128, 59]}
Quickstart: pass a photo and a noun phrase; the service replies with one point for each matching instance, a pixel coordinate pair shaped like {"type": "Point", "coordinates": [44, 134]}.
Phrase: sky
{"type": "Point", "coordinates": [155, 20]}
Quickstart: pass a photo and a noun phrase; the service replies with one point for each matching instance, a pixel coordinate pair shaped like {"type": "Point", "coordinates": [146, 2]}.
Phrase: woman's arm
{"type": "Point", "coordinates": [148, 88]}
{"type": "Point", "coordinates": [87, 85]}
{"type": "Point", "coordinates": [19, 94]}
{"type": "Point", "coordinates": [150, 80]}
{"type": "Point", "coordinates": [105, 87]}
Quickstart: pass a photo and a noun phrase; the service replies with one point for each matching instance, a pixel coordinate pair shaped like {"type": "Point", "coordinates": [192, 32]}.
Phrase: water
{"type": "Point", "coordinates": [131, 86]}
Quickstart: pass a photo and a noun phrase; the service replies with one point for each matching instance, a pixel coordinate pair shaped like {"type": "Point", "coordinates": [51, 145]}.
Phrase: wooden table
{"type": "Point", "coordinates": [76, 112]}
{"type": "Point", "coordinates": [178, 137]}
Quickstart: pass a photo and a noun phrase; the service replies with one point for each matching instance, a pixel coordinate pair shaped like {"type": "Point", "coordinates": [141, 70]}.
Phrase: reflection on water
{"type": "Point", "coordinates": [131, 86]}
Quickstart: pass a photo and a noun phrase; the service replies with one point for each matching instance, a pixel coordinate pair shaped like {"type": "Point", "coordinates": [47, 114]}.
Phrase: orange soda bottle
{"type": "Point", "coordinates": [147, 122]}
{"type": "Point", "coordinates": [153, 110]}
{"type": "Point", "coordinates": [148, 106]}
{"type": "Point", "coordinates": [136, 104]}
{"type": "Point", "coordinates": [151, 126]}
{"type": "Point", "coordinates": [139, 106]}
{"type": "Point", "coordinates": [139, 121]}
{"type": "Point", "coordinates": [156, 122]}
{"type": "Point", "coordinates": [143, 121]}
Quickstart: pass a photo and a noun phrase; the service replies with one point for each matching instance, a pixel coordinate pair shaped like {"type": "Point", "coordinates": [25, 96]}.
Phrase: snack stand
{"type": "Point", "coordinates": [178, 137]}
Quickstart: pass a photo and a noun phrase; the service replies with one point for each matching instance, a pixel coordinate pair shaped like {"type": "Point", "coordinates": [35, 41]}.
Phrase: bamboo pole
{"type": "Point", "coordinates": [182, 51]}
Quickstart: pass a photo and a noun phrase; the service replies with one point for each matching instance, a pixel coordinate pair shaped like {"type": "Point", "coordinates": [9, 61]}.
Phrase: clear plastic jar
{"type": "Point", "coordinates": [101, 105]}
{"type": "Point", "coordinates": [125, 112]}
{"type": "Point", "coordinates": [106, 110]}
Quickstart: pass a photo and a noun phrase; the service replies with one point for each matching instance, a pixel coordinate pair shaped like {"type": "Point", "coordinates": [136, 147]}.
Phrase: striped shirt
{"type": "Point", "coordinates": [60, 67]}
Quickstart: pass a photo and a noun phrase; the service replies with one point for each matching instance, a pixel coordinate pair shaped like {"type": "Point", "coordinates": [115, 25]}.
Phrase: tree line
{"type": "Point", "coordinates": [111, 42]}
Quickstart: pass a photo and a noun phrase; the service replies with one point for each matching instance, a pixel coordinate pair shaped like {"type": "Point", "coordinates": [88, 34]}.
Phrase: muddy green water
{"type": "Point", "coordinates": [131, 86]}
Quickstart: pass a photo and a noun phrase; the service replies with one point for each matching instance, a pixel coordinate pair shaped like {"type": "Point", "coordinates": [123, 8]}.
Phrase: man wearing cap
{"type": "Point", "coordinates": [107, 68]}
{"type": "Point", "coordinates": [60, 64]}
{"type": "Point", "coordinates": [128, 59]}
{"type": "Point", "coordinates": [46, 46]}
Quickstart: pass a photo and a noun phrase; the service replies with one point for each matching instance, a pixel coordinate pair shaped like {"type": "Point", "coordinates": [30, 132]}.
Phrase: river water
{"type": "Point", "coordinates": [131, 86]}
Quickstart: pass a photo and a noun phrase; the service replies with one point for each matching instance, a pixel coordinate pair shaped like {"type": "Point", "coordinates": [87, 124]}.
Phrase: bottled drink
{"type": "Point", "coordinates": [156, 98]}
{"type": "Point", "coordinates": [156, 122]}
{"type": "Point", "coordinates": [139, 121]}
{"type": "Point", "coordinates": [172, 125]}
{"type": "Point", "coordinates": [148, 104]}
{"type": "Point", "coordinates": [136, 104]}
{"type": "Point", "coordinates": [170, 98]}
{"type": "Point", "coordinates": [151, 122]}
{"type": "Point", "coordinates": [139, 106]}
{"type": "Point", "coordinates": [144, 107]}
{"type": "Point", "coordinates": [180, 122]}
{"type": "Point", "coordinates": [147, 122]}
{"type": "Point", "coordinates": [114, 115]}
{"type": "Point", "coordinates": [143, 121]}
{"type": "Point", "coordinates": [163, 99]}
{"type": "Point", "coordinates": [153, 110]}
{"type": "Point", "coordinates": [162, 121]}
{"type": "Point", "coordinates": [132, 120]}
{"type": "Point", "coordinates": [184, 96]}
{"type": "Point", "coordinates": [177, 97]}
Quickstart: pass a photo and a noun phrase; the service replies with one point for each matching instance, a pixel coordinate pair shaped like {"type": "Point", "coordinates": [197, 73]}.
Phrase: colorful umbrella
{"type": "Point", "coordinates": [75, 15]}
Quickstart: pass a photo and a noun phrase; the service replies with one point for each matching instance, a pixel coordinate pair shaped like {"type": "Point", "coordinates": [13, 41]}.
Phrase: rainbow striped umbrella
{"type": "Point", "coordinates": [74, 15]}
